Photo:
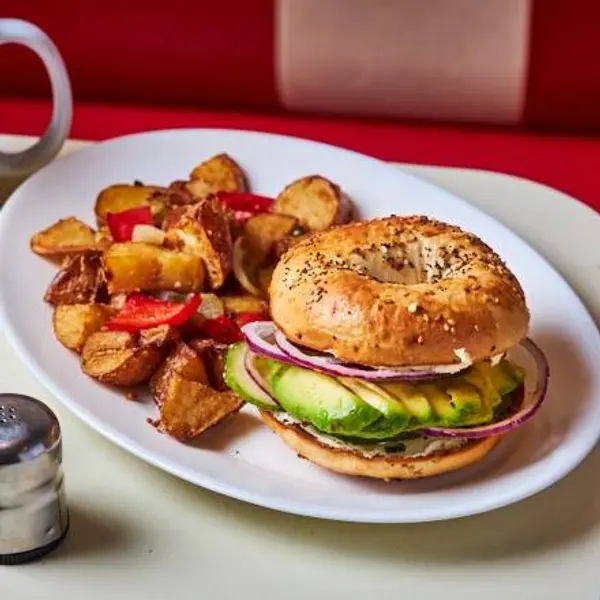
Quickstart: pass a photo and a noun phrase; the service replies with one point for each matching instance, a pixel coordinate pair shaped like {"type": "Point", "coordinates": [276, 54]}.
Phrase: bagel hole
{"type": "Point", "coordinates": [386, 263]}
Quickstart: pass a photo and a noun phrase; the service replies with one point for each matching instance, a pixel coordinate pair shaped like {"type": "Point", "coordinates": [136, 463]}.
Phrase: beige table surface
{"type": "Point", "coordinates": [138, 533]}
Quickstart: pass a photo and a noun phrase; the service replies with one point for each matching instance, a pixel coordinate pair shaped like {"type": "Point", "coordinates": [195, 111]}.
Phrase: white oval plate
{"type": "Point", "coordinates": [241, 458]}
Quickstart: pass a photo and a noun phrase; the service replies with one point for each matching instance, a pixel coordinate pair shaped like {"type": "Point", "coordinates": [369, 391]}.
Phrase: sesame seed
{"type": "Point", "coordinates": [446, 327]}
{"type": "Point", "coordinates": [420, 339]}
{"type": "Point", "coordinates": [412, 307]}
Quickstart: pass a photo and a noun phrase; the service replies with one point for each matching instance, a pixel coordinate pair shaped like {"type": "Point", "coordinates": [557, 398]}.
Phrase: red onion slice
{"type": "Point", "coordinates": [258, 334]}
{"type": "Point", "coordinates": [264, 338]}
{"type": "Point", "coordinates": [531, 404]}
{"type": "Point", "coordinates": [257, 377]}
{"type": "Point", "coordinates": [332, 366]}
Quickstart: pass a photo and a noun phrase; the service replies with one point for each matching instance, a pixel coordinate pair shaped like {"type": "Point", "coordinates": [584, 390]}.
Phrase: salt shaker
{"type": "Point", "coordinates": [33, 508]}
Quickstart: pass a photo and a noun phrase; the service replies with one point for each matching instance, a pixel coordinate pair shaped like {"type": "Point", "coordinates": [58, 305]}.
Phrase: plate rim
{"type": "Point", "coordinates": [205, 481]}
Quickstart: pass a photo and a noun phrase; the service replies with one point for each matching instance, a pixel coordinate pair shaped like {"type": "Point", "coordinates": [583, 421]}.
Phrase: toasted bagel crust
{"type": "Point", "coordinates": [398, 291]}
{"type": "Point", "coordinates": [351, 463]}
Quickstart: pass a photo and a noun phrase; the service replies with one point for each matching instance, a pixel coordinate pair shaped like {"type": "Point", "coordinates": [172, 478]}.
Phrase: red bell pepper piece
{"type": "Point", "coordinates": [123, 223]}
{"type": "Point", "coordinates": [244, 202]}
{"type": "Point", "coordinates": [145, 312]}
{"type": "Point", "coordinates": [222, 329]}
{"type": "Point", "coordinates": [249, 317]}
{"type": "Point", "coordinates": [228, 330]}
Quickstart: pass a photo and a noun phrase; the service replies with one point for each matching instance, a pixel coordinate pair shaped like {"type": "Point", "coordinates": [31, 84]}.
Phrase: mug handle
{"type": "Point", "coordinates": [22, 32]}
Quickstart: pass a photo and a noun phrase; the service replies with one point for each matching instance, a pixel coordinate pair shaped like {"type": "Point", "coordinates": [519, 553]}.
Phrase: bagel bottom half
{"type": "Point", "coordinates": [348, 462]}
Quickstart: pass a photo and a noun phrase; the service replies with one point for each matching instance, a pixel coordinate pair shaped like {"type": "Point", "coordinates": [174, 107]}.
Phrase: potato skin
{"type": "Point", "coordinates": [116, 358]}
{"type": "Point", "coordinates": [65, 237]}
{"type": "Point", "coordinates": [74, 323]}
{"type": "Point", "coordinates": [189, 408]}
{"type": "Point", "coordinates": [136, 266]}
{"type": "Point", "coordinates": [184, 361]}
{"type": "Point", "coordinates": [220, 173]}
{"type": "Point", "coordinates": [203, 230]}
{"type": "Point", "coordinates": [244, 303]}
{"type": "Point", "coordinates": [122, 196]}
{"type": "Point", "coordinates": [316, 202]}
{"type": "Point", "coordinates": [80, 281]}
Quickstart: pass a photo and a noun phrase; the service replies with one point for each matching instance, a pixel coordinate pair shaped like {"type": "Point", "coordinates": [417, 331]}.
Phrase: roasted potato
{"type": "Point", "coordinates": [212, 354]}
{"type": "Point", "coordinates": [179, 194]}
{"type": "Point", "coordinates": [119, 197]}
{"type": "Point", "coordinates": [74, 323]}
{"type": "Point", "coordinates": [80, 281]}
{"type": "Point", "coordinates": [188, 408]}
{"type": "Point", "coordinates": [117, 358]}
{"type": "Point", "coordinates": [316, 202]}
{"type": "Point", "coordinates": [136, 266]}
{"type": "Point", "coordinates": [242, 304]}
{"type": "Point", "coordinates": [66, 237]}
{"type": "Point", "coordinates": [265, 230]}
{"type": "Point", "coordinates": [203, 231]}
{"type": "Point", "coordinates": [217, 174]}
{"type": "Point", "coordinates": [163, 337]}
{"type": "Point", "coordinates": [183, 360]}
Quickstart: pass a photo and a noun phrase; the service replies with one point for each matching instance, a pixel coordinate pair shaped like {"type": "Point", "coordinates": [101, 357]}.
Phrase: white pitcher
{"type": "Point", "coordinates": [18, 164]}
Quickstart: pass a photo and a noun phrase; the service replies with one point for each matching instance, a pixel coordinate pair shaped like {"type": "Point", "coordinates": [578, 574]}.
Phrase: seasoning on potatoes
{"type": "Point", "coordinates": [203, 231]}
{"type": "Point", "coordinates": [219, 173]}
{"type": "Point", "coordinates": [66, 237]}
{"type": "Point", "coordinates": [137, 266]}
{"type": "Point", "coordinates": [116, 358]}
{"type": "Point", "coordinates": [75, 323]}
{"type": "Point", "coordinates": [120, 197]}
{"type": "Point", "coordinates": [316, 202]}
{"type": "Point", "coordinates": [80, 281]}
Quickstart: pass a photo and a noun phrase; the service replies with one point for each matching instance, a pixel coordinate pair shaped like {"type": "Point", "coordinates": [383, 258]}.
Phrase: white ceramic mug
{"type": "Point", "coordinates": [21, 32]}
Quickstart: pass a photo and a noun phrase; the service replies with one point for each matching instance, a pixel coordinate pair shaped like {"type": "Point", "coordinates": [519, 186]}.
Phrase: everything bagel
{"type": "Point", "coordinates": [398, 291]}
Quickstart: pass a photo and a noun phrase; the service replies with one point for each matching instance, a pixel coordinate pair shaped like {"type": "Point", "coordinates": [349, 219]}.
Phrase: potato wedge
{"type": "Point", "coordinates": [242, 304]}
{"type": "Point", "coordinates": [179, 194]}
{"type": "Point", "coordinates": [116, 358]}
{"type": "Point", "coordinates": [212, 354]}
{"type": "Point", "coordinates": [189, 408]}
{"type": "Point", "coordinates": [119, 197]}
{"type": "Point", "coordinates": [163, 337]}
{"type": "Point", "coordinates": [203, 231]}
{"type": "Point", "coordinates": [75, 323]}
{"type": "Point", "coordinates": [136, 266]}
{"type": "Point", "coordinates": [218, 173]}
{"type": "Point", "coordinates": [65, 237]}
{"type": "Point", "coordinates": [316, 202]}
{"type": "Point", "coordinates": [185, 361]}
{"type": "Point", "coordinates": [265, 230]}
{"type": "Point", "coordinates": [80, 281]}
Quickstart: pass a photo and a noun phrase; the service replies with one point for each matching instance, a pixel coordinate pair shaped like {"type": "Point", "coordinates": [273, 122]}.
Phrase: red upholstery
{"type": "Point", "coordinates": [569, 164]}
{"type": "Point", "coordinates": [186, 58]}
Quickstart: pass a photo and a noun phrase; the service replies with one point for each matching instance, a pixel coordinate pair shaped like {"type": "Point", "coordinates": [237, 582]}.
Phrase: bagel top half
{"type": "Point", "coordinates": [398, 291]}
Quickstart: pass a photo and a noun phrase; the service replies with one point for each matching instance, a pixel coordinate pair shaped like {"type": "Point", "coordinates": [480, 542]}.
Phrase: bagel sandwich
{"type": "Point", "coordinates": [398, 349]}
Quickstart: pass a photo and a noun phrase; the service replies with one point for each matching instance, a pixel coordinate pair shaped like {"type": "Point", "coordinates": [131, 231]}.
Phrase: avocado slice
{"type": "Point", "coordinates": [442, 404]}
{"type": "Point", "coordinates": [468, 404]}
{"type": "Point", "coordinates": [503, 377]}
{"type": "Point", "coordinates": [475, 376]}
{"type": "Point", "coordinates": [413, 398]}
{"type": "Point", "coordinates": [239, 381]}
{"type": "Point", "coordinates": [396, 417]}
{"type": "Point", "coordinates": [322, 401]}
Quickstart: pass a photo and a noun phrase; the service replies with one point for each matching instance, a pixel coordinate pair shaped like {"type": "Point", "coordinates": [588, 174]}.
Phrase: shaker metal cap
{"type": "Point", "coordinates": [33, 509]}
{"type": "Point", "coordinates": [28, 429]}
